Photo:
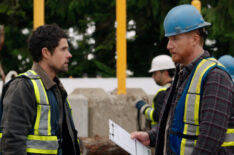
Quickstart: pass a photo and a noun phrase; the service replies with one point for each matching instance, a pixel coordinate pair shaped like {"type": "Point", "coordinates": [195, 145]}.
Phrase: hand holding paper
{"type": "Point", "coordinates": [122, 138]}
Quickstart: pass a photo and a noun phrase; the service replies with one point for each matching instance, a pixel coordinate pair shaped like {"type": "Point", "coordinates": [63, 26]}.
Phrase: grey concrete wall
{"type": "Point", "coordinates": [103, 106]}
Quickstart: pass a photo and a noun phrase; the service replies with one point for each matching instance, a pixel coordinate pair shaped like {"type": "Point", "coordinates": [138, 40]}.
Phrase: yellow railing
{"type": "Point", "coordinates": [121, 45]}
{"type": "Point", "coordinates": [38, 13]}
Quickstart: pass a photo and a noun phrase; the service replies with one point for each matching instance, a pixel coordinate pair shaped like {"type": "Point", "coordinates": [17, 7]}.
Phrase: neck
{"type": "Point", "coordinates": [166, 81]}
{"type": "Point", "coordinates": [49, 72]}
{"type": "Point", "coordinates": [197, 52]}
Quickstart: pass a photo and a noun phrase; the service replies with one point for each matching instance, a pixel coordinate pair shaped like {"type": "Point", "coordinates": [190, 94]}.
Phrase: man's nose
{"type": "Point", "coordinates": [169, 44]}
{"type": "Point", "coordinates": [69, 54]}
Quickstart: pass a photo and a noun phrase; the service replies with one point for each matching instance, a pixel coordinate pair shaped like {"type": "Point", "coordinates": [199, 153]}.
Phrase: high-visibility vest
{"type": "Point", "coordinates": [41, 141]}
{"type": "Point", "coordinates": [150, 110]}
{"type": "Point", "coordinates": [185, 124]}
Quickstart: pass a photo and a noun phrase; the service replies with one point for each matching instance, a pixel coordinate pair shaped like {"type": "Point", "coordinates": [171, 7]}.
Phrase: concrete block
{"type": "Point", "coordinates": [79, 105]}
{"type": "Point", "coordinates": [103, 106]}
{"type": "Point", "coordinates": [99, 108]}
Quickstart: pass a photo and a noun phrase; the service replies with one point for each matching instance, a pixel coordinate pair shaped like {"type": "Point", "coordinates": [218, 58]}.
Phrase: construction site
{"type": "Point", "coordinates": [111, 78]}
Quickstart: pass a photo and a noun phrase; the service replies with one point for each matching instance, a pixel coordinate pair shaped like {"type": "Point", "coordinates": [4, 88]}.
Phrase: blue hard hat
{"type": "Point", "coordinates": [183, 18]}
{"type": "Point", "coordinates": [228, 62]}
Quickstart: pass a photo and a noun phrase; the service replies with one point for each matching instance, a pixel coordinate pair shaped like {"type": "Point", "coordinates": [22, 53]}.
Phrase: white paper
{"type": "Point", "coordinates": [122, 138]}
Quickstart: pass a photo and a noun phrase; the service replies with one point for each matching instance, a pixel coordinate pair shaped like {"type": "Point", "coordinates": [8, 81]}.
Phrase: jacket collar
{"type": "Point", "coordinates": [48, 83]}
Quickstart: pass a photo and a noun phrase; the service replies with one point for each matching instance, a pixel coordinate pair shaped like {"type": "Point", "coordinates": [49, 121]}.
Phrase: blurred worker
{"type": "Point", "coordinates": [198, 115]}
{"type": "Point", "coordinates": [162, 69]}
{"type": "Point", "coordinates": [36, 115]}
{"type": "Point", "coordinates": [228, 62]}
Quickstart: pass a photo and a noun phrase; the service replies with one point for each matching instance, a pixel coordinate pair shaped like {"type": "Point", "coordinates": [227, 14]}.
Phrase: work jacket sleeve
{"type": "Point", "coordinates": [19, 112]}
{"type": "Point", "coordinates": [152, 135]}
{"type": "Point", "coordinates": [215, 112]}
{"type": "Point", "coordinates": [158, 103]}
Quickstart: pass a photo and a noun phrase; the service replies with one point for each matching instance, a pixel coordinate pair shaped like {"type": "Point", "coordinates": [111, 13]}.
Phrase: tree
{"type": "Point", "coordinates": [221, 14]}
{"type": "Point", "coordinates": [94, 52]}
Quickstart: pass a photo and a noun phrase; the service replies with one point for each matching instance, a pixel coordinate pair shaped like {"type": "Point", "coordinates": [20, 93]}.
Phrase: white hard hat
{"type": "Point", "coordinates": [162, 62]}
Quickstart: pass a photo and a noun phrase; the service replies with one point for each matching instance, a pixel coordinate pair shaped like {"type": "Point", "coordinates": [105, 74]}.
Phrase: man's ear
{"type": "Point", "coordinates": [45, 53]}
{"type": "Point", "coordinates": [196, 39]}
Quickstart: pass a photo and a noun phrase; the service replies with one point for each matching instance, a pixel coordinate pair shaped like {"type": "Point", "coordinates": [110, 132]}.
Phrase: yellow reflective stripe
{"type": "Point", "coordinates": [37, 93]}
{"type": "Point", "coordinates": [183, 141]}
{"type": "Point", "coordinates": [151, 114]}
{"type": "Point", "coordinates": [161, 89]}
{"type": "Point", "coordinates": [69, 106]}
{"type": "Point", "coordinates": [0, 135]}
{"type": "Point", "coordinates": [182, 148]}
{"type": "Point", "coordinates": [152, 118]}
{"type": "Point", "coordinates": [36, 90]}
{"type": "Point", "coordinates": [47, 101]}
{"type": "Point", "coordinates": [22, 74]}
{"type": "Point", "coordinates": [79, 143]}
{"type": "Point", "coordinates": [153, 123]}
{"type": "Point", "coordinates": [230, 131]}
{"type": "Point", "coordinates": [41, 151]}
{"type": "Point", "coordinates": [49, 120]}
{"type": "Point", "coordinates": [42, 144]}
{"type": "Point", "coordinates": [225, 144]}
{"type": "Point", "coordinates": [196, 109]}
{"type": "Point", "coordinates": [36, 126]}
{"type": "Point", "coordinates": [42, 138]}
{"type": "Point", "coordinates": [197, 133]}
{"type": "Point", "coordinates": [228, 137]}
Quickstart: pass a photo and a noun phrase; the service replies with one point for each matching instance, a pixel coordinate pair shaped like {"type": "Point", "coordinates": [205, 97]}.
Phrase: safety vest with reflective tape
{"type": "Point", "coordinates": [185, 124]}
{"type": "Point", "coordinates": [41, 141]}
{"type": "Point", "coordinates": [150, 110]}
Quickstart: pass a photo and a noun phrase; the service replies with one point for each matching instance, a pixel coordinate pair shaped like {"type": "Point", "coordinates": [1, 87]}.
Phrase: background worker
{"type": "Point", "coordinates": [162, 69]}
{"type": "Point", "coordinates": [35, 113]}
{"type": "Point", "coordinates": [228, 62]}
{"type": "Point", "coordinates": [198, 115]}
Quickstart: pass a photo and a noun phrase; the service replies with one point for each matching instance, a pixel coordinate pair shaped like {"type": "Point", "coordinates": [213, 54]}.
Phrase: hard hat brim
{"type": "Point", "coordinates": [205, 24]}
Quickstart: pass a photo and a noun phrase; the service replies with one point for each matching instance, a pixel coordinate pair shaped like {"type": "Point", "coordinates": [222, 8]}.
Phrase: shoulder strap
{"type": "Point", "coordinates": [193, 97]}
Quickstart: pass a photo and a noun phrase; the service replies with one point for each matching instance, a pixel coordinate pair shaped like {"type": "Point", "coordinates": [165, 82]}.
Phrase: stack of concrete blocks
{"type": "Point", "coordinates": [93, 107]}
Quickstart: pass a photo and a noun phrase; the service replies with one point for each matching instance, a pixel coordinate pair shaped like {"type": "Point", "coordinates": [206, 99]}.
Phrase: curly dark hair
{"type": "Point", "coordinates": [46, 36]}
